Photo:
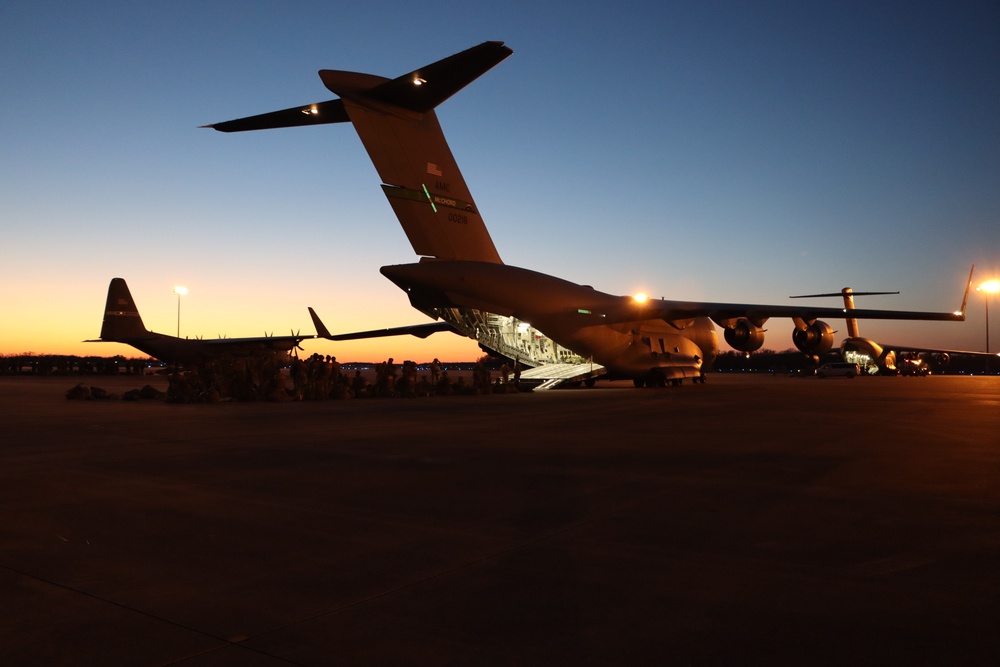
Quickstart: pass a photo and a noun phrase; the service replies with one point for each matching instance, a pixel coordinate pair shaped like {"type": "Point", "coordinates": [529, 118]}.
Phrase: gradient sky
{"type": "Point", "coordinates": [718, 151]}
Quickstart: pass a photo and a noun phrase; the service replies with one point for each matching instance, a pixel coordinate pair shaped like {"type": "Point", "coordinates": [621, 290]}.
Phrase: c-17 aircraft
{"type": "Point", "coordinates": [461, 280]}
{"type": "Point", "coordinates": [882, 358]}
{"type": "Point", "coordinates": [122, 324]}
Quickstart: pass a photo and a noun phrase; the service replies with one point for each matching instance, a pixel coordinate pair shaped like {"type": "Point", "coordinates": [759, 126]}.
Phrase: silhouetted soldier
{"type": "Point", "coordinates": [443, 386]}
{"type": "Point", "coordinates": [390, 377]}
{"type": "Point", "coordinates": [358, 385]}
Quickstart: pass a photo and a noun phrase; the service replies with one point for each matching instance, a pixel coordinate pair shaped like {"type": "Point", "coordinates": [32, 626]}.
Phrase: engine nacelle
{"type": "Point", "coordinates": [887, 363]}
{"type": "Point", "coordinates": [941, 358]}
{"type": "Point", "coordinates": [815, 339]}
{"type": "Point", "coordinates": [744, 336]}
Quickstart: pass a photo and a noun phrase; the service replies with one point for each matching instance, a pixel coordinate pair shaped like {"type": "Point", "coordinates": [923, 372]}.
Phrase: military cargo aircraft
{"type": "Point", "coordinates": [122, 324]}
{"type": "Point", "coordinates": [883, 358]}
{"type": "Point", "coordinates": [519, 313]}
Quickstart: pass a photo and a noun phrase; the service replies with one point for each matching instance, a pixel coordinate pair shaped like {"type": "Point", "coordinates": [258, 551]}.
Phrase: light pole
{"type": "Point", "coordinates": [987, 288]}
{"type": "Point", "coordinates": [179, 291]}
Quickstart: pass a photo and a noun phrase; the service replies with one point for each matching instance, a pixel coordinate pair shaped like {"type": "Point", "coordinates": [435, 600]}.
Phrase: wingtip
{"type": "Point", "coordinates": [321, 330]}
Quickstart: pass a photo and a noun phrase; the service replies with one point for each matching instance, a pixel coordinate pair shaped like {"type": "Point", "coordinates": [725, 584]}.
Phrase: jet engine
{"type": "Point", "coordinates": [744, 336]}
{"type": "Point", "coordinates": [813, 339]}
{"type": "Point", "coordinates": [887, 363]}
{"type": "Point", "coordinates": [941, 358]}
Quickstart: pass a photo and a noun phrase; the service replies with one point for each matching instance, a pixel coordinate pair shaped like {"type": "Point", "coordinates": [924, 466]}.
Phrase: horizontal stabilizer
{"type": "Point", "coordinates": [840, 294]}
{"type": "Point", "coordinates": [419, 91]}
{"type": "Point", "coordinates": [423, 89]}
{"type": "Point", "coordinates": [310, 114]}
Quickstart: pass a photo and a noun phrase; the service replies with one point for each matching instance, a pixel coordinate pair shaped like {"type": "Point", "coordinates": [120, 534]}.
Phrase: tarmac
{"type": "Point", "coordinates": [751, 520]}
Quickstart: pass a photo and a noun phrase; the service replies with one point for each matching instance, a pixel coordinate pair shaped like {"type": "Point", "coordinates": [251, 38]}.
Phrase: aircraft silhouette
{"type": "Point", "coordinates": [122, 324]}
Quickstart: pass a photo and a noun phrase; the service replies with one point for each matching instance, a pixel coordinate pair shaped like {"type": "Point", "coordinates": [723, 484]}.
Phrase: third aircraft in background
{"type": "Point", "coordinates": [883, 358]}
{"type": "Point", "coordinates": [537, 319]}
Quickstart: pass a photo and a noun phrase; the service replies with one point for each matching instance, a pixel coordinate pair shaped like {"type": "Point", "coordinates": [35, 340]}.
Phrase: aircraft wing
{"type": "Point", "coordinates": [721, 313]}
{"type": "Point", "coordinates": [247, 345]}
{"type": "Point", "coordinates": [418, 330]}
{"type": "Point", "coordinates": [726, 313]}
{"type": "Point", "coordinates": [255, 342]}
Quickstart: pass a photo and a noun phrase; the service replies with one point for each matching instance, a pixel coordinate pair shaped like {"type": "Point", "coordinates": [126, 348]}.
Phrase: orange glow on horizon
{"type": "Point", "coordinates": [448, 348]}
{"type": "Point", "coordinates": [221, 309]}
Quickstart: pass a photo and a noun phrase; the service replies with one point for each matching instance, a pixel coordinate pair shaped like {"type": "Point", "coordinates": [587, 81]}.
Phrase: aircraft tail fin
{"type": "Point", "coordinates": [396, 122]}
{"type": "Point", "coordinates": [852, 324]}
{"type": "Point", "coordinates": [121, 316]}
{"type": "Point", "coordinates": [321, 329]}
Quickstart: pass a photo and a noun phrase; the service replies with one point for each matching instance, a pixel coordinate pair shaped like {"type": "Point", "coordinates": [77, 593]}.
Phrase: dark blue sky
{"type": "Point", "coordinates": [722, 151]}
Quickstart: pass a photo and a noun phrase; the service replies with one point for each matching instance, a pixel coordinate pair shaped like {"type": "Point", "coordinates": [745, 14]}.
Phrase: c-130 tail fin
{"type": "Point", "coordinates": [396, 122]}
{"type": "Point", "coordinates": [121, 316]}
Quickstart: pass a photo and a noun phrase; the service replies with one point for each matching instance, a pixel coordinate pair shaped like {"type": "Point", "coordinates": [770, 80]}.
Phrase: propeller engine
{"type": "Point", "coordinates": [298, 344]}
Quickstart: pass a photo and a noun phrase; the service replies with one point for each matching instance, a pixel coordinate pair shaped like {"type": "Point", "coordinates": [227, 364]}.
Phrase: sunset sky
{"type": "Point", "coordinates": [717, 151]}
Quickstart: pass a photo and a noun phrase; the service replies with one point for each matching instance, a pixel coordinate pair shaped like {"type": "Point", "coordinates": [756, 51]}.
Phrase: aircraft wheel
{"type": "Point", "coordinates": [590, 382]}
{"type": "Point", "coordinates": [639, 383]}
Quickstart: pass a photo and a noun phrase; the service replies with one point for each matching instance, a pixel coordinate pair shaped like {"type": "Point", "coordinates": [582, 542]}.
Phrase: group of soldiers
{"type": "Point", "coordinates": [321, 377]}
{"type": "Point", "coordinates": [247, 378]}
{"type": "Point", "coordinates": [260, 378]}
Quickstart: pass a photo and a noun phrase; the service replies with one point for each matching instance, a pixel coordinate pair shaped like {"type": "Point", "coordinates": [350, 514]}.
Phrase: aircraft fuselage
{"type": "Point", "coordinates": [194, 351]}
{"type": "Point", "coordinates": [575, 316]}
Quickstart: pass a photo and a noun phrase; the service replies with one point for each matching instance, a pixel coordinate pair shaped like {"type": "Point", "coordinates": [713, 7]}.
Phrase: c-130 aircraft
{"type": "Point", "coordinates": [461, 281]}
{"type": "Point", "coordinates": [123, 324]}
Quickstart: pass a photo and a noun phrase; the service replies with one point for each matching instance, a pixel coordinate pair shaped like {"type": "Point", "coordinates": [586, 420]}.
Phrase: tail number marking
{"type": "Point", "coordinates": [435, 200]}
